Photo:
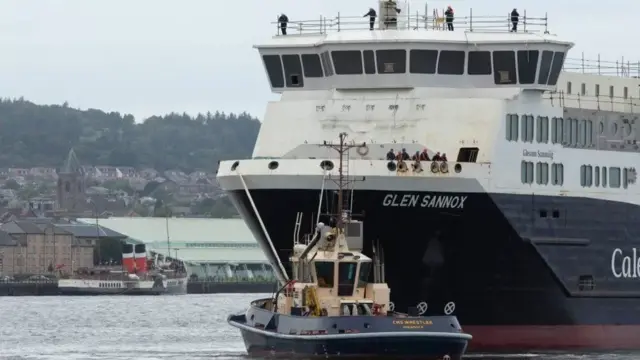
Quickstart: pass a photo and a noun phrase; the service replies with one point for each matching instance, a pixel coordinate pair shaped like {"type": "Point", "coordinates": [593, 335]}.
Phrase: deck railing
{"type": "Point", "coordinates": [621, 67]}
{"type": "Point", "coordinates": [417, 21]}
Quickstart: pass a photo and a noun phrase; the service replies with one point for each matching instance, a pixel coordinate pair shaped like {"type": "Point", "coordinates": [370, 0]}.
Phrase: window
{"type": "Point", "coordinates": [611, 91]}
{"type": "Point", "coordinates": [597, 176]}
{"type": "Point", "coordinates": [542, 131]}
{"type": "Point", "coordinates": [346, 278]}
{"type": "Point", "coordinates": [451, 62]}
{"type": "Point", "coordinates": [589, 131]}
{"type": "Point", "coordinates": [597, 89]}
{"type": "Point", "coordinates": [391, 61]}
{"type": "Point", "coordinates": [542, 173]}
{"type": "Point", "coordinates": [574, 130]}
{"type": "Point", "coordinates": [568, 87]}
{"type": "Point", "coordinates": [326, 64]}
{"type": "Point", "coordinates": [324, 272]}
{"type": "Point", "coordinates": [614, 177]}
{"type": "Point", "coordinates": [273, 64]}
{"type": "Point", "coordinates": [586, 283]}
{"type": "Point", "coordinates": [468, 154]}
{"type": "Point", "coordinates": [582, 133]}
{"type": "Point", "coordinates": [586, 175]}
{"type": "Point", "coordinates": [363, 276]}
{"type": "Point", "coordinates": [347, 62]}
{"type": "Point", "coordinates": [526, 172]}
{"type": "Point", "coordinates": [479, 63]}
{"type": "Point", "coordinates": [504, 67]}
{"type": "Point", "coordinates": [557, 174]}
{"type": "Point", "coordinates": [312, 66]}
{"type": "Point", "coordinates": [527, 128]}
{"type": "Point", "coordinates": [423, 61]}
{"type": "Point", "coordinates": [545, 69]}
{"type": "Point", "coordinates": [566, 138]}
{"type": "Point", "coordinates": [557, 129]}
{"type": "Point", "coordinates": [625, 178]}
{"type": "Point", "coordinates": [527, 66]}
{"type": "Point", "coordinates": [369, 62]}
{"type": "Point", "coordinates": [604, 176]}
{"type": "Point", "coordinates": [625, 92]}
{"type": "Point", "coordinates": [511, 132]}
{"type": "Point", "coordinates": [556, 67]}
{"type": "Point", "coordinates": [292, 70]}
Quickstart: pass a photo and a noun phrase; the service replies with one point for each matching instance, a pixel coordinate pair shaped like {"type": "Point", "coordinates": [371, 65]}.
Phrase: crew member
{"type": "Point", "coordinates": [391, 155]}
{"type": "Point", "coordinates": [372, 18]}
{"type": "Point", "coordinates": [405, 154]}
{"type": "Point", "coordinates": [416, 156]}
{"type": "Point", "coordinates": [437, 157]}
{"type": "Point", "coordinates": [443, 157]}
{"type": "Point", "coordinates": [424, 155]}
{"type": "Point", "coordinates": [283, 20]}
{"type": "Point", "coordinates": [515, 17]}
{"type": "Point", "coordinates": [449, 17]}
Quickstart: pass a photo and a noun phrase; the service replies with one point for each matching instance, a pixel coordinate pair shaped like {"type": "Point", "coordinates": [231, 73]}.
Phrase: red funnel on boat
{"type": "Point", "coordinates": [140, 257]}
{"type": "Point", "coordinates": [128, 262]}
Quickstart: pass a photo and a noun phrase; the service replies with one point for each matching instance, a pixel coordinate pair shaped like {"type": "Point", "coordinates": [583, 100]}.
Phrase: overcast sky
{"type": "Point", "coordinates": [150, 57]}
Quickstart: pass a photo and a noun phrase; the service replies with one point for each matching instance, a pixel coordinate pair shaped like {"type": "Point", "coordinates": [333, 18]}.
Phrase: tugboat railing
{"type": "Point", "coordinates": [620, 68]}
{"type": "Point", "coordinates": [417, 21]}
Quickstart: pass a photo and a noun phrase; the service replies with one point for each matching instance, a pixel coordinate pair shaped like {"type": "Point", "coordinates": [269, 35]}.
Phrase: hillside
{"type": "Point", "coordinates": [41, 135]}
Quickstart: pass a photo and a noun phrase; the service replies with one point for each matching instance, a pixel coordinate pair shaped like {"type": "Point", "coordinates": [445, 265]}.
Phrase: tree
{"type": "Point", "coordinates": [11, 184]}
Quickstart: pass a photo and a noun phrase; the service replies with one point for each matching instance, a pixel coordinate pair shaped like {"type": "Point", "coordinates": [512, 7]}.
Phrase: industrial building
{"type": "Point", "coordinates": [213, 249]}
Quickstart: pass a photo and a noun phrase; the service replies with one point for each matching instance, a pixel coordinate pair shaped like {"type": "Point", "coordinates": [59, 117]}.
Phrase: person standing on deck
{"type": "Point", "coordinates": [515, 17]}
{"type": "Point", "coordinates": [283, 20]}
{"type": "Point", "coordinates": [449, 18]}
{"type": "Point", "coordinates": [372, 18]}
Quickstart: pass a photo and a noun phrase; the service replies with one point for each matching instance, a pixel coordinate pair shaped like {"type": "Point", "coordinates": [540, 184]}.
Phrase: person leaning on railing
{"type": "Point", "coordinates": [372, 18]}
{"type": "Point", "coordinates": [283, 20]}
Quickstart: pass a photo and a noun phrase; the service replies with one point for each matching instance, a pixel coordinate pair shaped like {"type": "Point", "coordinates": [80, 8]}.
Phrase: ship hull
{"type": "Point", "coordinates": [110, 288]}
{"type": "Point", "coordinates": [517, 267]}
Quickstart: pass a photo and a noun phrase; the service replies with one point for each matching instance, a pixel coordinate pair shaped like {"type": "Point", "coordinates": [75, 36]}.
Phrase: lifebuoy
{"type": "Point", "coordinates": [402, 166]}
{"type": "Point", "coordinates": [444, 168]}
{"type": "Point", "coordinates": [434, 167]}
{"type": "Point", "coordinates": [417, 167]}
{"type": "Point", "coordinates": [362, 150]}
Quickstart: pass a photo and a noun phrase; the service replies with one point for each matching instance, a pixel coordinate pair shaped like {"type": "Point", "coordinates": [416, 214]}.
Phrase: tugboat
{"type": "Point", "coordinates": [330, 308]}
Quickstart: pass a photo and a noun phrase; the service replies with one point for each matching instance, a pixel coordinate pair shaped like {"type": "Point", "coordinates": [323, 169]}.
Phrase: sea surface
{"type": "Point", "coordinates": [142, 328]}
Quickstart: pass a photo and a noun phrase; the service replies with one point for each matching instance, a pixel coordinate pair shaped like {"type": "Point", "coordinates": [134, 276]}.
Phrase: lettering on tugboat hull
{"type": "Point", "coordinates": [425, 201]}
{"type": "Point", "coordinates": [625, 266]}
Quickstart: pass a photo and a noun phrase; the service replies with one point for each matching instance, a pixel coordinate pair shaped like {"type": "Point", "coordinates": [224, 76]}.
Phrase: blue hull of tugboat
{"type": "Point", "coordinates": [266, 333]}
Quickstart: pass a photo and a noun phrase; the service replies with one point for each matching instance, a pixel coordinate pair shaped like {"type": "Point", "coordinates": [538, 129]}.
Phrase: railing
{"type": "Point", "coordinates": [417, 21]}
{"type": "Point", "coordinates": [622, 67]}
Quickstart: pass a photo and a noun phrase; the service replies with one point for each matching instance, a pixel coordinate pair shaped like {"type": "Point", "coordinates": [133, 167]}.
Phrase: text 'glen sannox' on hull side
{"type": "Point", "coordinates": [530, 226]}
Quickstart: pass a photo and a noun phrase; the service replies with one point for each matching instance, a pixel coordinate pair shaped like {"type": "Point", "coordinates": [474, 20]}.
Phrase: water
{"type": "Point", "coordinates": [141, 328]}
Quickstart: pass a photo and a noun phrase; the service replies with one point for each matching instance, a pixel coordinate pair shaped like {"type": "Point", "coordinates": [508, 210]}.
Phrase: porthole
{"type": "Point", "coordinates": [457, 168]}
{"type": "Point", "coordinates": [326, 165]}
{"type": "Point", "coordinates": [391, 166]}
{"type": "Point", "coordinates": [273, 165]}
{"type": "Point", "coordinates": [235, 165]}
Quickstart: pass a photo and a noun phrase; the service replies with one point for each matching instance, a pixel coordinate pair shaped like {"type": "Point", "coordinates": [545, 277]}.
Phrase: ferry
{"type": "Point", "coordinates": [530, 226]}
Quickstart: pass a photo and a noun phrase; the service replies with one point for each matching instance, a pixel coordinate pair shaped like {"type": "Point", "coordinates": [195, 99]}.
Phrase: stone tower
{"type": "Point", "coordinates": [71, 185]}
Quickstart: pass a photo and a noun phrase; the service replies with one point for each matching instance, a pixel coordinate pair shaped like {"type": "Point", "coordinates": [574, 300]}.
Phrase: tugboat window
{"type": "Point", "coordinates": [324, 272]}
{"type": "Point", "coordinates": [504, 68]}
{"type": "Point", "coordinates": [347, 62]}
{"type": "Point", "coordinates": [479, 63]}
{"type": "Point", "coordinates": [451, 62]}
{"type": "Point", "coordinates": [423, 61]}
{"type": "Point", "coordinates": [556, 67]}
{"type": "Point", "coordinates": [545, 67]}
{"type": "Point", "coordinates": [326, 63]}
{"type": "Point", "coordinates": [527, 65]}
{"type": "Point", "coordinates": [363, 276]}
{"type": "Point", "coordinates": [312, 66]}
{"type": "Point", "coordinates": [369, 62]}
{"type": "Point", "coordinates": [346, 278]}
{"type": "Point", "coordinates": [274, 70]}
{"type": "Point", "coordinates": [292, 70]}
{"type": "Point", "coordinates": [391, 61]}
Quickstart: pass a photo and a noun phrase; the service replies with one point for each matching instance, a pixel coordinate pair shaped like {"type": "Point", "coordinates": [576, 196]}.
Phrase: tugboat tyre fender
{"type": "Point", "coordinates": [363, 150]}
{"type": "Point", "coordinates": [434, 167]}
{"type": "Point", "coordinates": [402, 166]}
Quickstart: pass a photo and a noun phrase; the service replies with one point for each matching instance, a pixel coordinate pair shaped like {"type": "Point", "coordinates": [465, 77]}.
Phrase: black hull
{"type": "Point", "coordinates": [178, 290]}
{"type": "Point", "coordinates": [506, 261]}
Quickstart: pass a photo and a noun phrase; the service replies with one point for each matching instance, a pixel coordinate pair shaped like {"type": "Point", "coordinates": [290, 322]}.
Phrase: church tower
{"type": "Point", "coordinates": [71, 185]}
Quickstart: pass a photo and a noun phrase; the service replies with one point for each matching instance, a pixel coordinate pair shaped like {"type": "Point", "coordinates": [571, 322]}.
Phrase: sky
{"type": "Point", "coordinates": [151, 57]}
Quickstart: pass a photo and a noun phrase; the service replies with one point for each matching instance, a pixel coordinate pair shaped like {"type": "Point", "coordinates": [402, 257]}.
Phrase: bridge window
{"type": "Point", "coordinates": [511, 131]}
{"type": "Point", "coordinates": [542, 134]}
{"type": "Point", "coordinates": [479, 63]}
{"type": "Point", "coordinates": [391, 61]}
{"type": "Point", "coordinates": [527, 66]}
{"type": "Point", "coordinates": [604, 176]}
{"type": "Point", "coordinates": [556, 67]}
{"type": "Point", "coordinates": [625, 178]}
{"type": "Point", "coordinates": [347, 62]}
{"type": "Point", "coordinates": [527, 128]}
{"type": "Point", "coordinates": [545, 68]}
{"type": "Point", "coordinates": [346, 278]}
{"type": "Point", "coordinates": [468, 154]}
{"type": "Point", "coordinates": [326, 63]}
{"type": "Point", "coordinates": [292, 70]}
{"type": "Point", "coordinates": [451, 62]}
{"type": "Point", "coordinates": [557, 174]}
{"type": "Point", "coordinates": [504, 67]}
{"type": "Point", "coordinates": [614, 177]}
{"type": "Point", "coordinates": [557, 127]}
{"type": "Point", "coordinates": [526, 172]}
{"type": "Point", "coordinates": [273, 64]}
{"type": "Point", "coordinates": [363, 276]}
{"type": "Point", "coordinates": [324, 272]}
{"type": "Point", "coordinates": [369, 62]}
{"type": "Point", "coordinates": [596, 176]}
{"type": "Point", "coordinates": [542, 173]}
{"type": "Point", "coordinates": [423, 61]}
{"type": "Point", "coordinates": [312, 66]}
